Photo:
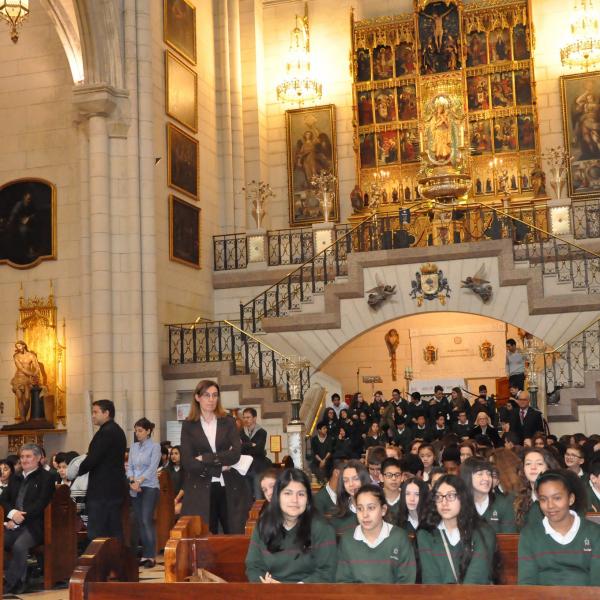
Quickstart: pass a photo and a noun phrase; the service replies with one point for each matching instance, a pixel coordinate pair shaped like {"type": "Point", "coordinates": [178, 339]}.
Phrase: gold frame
{"type": "Point", "coordinates": [170, 128]}
{"type": "Point", "coordinates": [171, 58]}
{"type": "Point", "coordinates": [172, 257]}
{"type": "Point", "coordinates": [565, 115]}
{"type": "Point", "coordinates": [53, 255]}
{"type": "Point", "coordinates": [289, 115]}
{"type": "Point", "coordinates": [180, 51]}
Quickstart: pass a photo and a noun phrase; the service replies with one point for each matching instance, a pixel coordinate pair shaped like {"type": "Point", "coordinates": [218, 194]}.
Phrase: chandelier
{"type": "Point", "coordinates": [583, 49]}
{"type": "Point", "coordinates": [14, 12]}
{"type": "Point", "coordinates": [298, 85]}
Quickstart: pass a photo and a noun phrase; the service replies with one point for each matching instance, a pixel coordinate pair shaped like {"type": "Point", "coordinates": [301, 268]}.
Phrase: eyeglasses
{"type": "Point", "coordinates": [208, 395]}
{"type": "Point", "coordinates": [572, 455]}
{"type": "Point", "coordinates": [449, 497]}
{"type": "Point", "coordinates": [393, 475]}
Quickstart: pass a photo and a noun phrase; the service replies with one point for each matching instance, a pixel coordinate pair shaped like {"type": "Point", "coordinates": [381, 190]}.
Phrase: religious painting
{"type": "Point", "coordinates": [523, 87]}
{"type": "Point", "coordinates": [181, 92]}
{"type": "Point", "coordinates": [478, 95]}
{"type": "Point", "coordinates": [310, 151]}
{"type": "Point", "coordinates": [439, 38]}
{"type": "Point", "coordinates": [27, 222]}
{"type": "Point", "coordinates": [383, 63]}
{"type": "Point", "coordinates": [367, 150]}
{"type": "Point", "coordinates": [385, 105]}
{"type": "Point", "coordinates": [513, 176]}
{"type": "Point", "coordinates": [581, 124]}
{"type": "Point", "coordinates": [387, 147]}
{"type": "Point", "coordinates": [482, 182]}
{"type": "Point", "coordinates": [364, 103]}
{"type": "Point", "coordinates": [182, 161]}
{"type": "Point", "coordinates": [404, 59]}
{"type": "Point", "coordinates": [521, 43]}
{"type": "Point", "coordinates": [407, 102]}
{"type": "Point", "coordinates": [502, 89]}
{"type": "Point", "coordinates": [363, 64]}
{"type": "Point", "coordinates": [526, 132]}
{"type": "Point", "coordinates": [505, 134]}
{"type": "Point", "coordinates": [184, 232]}
{"type": "Point", "coordinates": [481, 137]}
{"type": "Point", "coordinates": [476, 49]}
{"type": "Point", "coordinates": [409, 145]}
{"type": "Point", "coordinates": [179, 27]}
{"type": "Point", "coordinates": [500, 45]}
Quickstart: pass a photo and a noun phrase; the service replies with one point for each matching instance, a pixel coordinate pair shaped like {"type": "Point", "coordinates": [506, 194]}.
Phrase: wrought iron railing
{"type": "Point", "coordinates": [585, 216]}
{"type": "Point", "coordinates": [230, 252]}
{"type": "Point", "coordinates": [218, 341]}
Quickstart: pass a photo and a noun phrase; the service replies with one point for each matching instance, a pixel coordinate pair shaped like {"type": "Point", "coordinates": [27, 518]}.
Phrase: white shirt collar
{"type": "Point", "coordinates": [581, 473]}
{"type": "Point", "coordinates": [393, 502]}
{"type": "Point", "coordinates": [331, 493]}
{"type": "Point", "coordinates": [558, 537]}
{"type": "Point", "coordinates": [595, 490]}
{"type": "Point", "coordinates": [481, 508]}
{"type": "Point", "coordinates": [414, 522]}
{"type": "Point", "coordinates": [453, 536]}
{"type": "Point", "coordinates": [352, 507]}
{"type": "Point", "coordinates": [533, 496]}
{"type": "Point", "coordinates": [386, 529]}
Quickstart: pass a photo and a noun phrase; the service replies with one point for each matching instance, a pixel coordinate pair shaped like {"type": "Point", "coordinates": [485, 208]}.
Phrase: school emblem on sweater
{"type": "Point", "coordinates": [587, 546]}
{"type": "Point", "coordinates": [430, 284]}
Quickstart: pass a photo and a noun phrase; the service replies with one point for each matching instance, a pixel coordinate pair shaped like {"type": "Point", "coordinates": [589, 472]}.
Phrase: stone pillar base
{"type": "Point", "coordinates": [297, 445]}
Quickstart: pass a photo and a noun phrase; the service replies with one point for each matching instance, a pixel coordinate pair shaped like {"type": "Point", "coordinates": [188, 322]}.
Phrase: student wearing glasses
{"type": "Point", "coordinates": [391, 476]}
{"type": "Point", "coordinates": [574, 459]}
{"type": "Point", "coordinates": [455, 544]}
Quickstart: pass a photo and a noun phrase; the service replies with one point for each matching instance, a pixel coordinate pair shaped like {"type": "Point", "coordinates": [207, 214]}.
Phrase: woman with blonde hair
{"type": "Point", "coordinates": [483, 426]}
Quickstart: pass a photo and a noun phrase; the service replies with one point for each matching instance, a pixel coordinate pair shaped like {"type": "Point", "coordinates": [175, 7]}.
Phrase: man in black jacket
{"type": "Point", "coordinates": [105, 462]}
{"type": "Point", "coordinates": [254, 440]}
{"type": "Point", "coordinates": [526, 421]}
{"type": "Point", "coordinates": [24, 502]}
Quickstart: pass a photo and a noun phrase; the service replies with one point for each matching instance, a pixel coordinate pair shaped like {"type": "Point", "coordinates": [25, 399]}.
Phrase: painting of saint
{"type": "Point", "coordinates": [505, 134]}
{"type": "Point", "coordinates": [383, 63]}
{"type": "Point", "coordinates": [521, 43]}
{"type": "Point", "coordinates": [387, 148]}
{"type": "Point", "coordinates": [182, 161]}
{"type": "Point", "coordinates": [407, 102]}
{"type": "Point", "coordinates": [181, 92]}
{"type": "Point", "coordinates": [409, 145]}
{"type": "Point", "coordinates": [523, 87]}
{"type": "Point", "coordinates": [365, 108]}
{"type": "Point", "coordinates": [526, 132]}
{"type": "Point", "coordinates": [439, 39]}
{"type": "Point", "coordinates": [367, 150]}
{"type": "Point", "coordinates": [385, 106]}
{"type": "Point", "coordinates": [476, 49]}
{"type": "Point", "coordinates": [184, 232]}
{"type": "Point", "coordinates": [27, 222]}
{"type": "Point", "coordinates": [405, 59]}
{"type": "Point", "coordinates": [363, 64]}
{"type": "Point", "coordinates": [180, 27]}
{"type": "Point", "coordinates": [502, 89]}
{"type": "Point", "coordinates": [481, 137]}
{"type": "Point", "coordinates": [500, 45]}
{"type": "Point", "coordinates": [478, 93]}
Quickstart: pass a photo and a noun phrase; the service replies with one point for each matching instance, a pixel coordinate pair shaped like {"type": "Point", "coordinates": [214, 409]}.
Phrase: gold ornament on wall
{"type": "Point", "coordinates": [486, 350]}
{"type": "Point", "coordinates": [430, 354]}
{"type": "Point", "coordinates": [392, 340]}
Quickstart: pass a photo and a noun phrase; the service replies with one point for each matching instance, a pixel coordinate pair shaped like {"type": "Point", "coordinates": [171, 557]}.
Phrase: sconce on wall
{"type": "Point", "coordinates": [14, 12]}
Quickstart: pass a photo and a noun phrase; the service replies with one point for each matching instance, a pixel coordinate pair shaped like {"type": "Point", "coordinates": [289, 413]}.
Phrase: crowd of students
{"type": "Point", "coordinates": [408, 501]}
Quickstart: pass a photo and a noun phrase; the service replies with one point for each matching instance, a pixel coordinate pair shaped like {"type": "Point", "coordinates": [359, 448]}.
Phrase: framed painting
{"type": "Point", "coordinates": [366, 144]}
{"type": "Point", "coordinates": [181, 89]}
{"type": "Point", "coordinates": [387, 147]}
{"type": "Point", "coordinates": [27, 222]}
{"type": "Point", "coordinates": [581, 125]}
{"type": "Point", "coordinates": [404, 59]}
{"type": "Point", "coordinates": [476, 49]}
{"type": "Point", "coordinates": [383, 63]}
{"type": "Point", "coordinates": [385, 105]}
{"type": "Point", "coordinates": [481, 137]}
{"type": "Point", "coordinates": [363, 64]}
{"type": "Point", "coordinates": [310, 150]}
{"type": "Point", "coordinates": [179, 27]}
{"type": "Point", "coordinates": [365, 108]}
{"type": "Point", "coordinates": [407, 102]}
{"type": "Point", "coordinates": [182, 161]}
{"type": "Point", "coordinates": [439, 38]}
{"type": "Point", "coordinates": [184, 232]}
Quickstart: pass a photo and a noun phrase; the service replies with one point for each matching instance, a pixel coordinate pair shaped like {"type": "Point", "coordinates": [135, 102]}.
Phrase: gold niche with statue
{"type": "Point", "coordinates": [446, 63]}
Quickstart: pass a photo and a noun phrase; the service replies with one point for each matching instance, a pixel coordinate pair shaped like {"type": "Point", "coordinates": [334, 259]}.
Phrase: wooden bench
{"type": "Point", "coordinates": [253, 516]}
{"type": "Point", "coordinates": [164, 514]}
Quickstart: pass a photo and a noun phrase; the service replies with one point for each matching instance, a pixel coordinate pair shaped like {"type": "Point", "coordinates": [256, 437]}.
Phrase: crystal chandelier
{"type": "Point", "coordinates": [583, 49]}
{"type": "Point", "coordinates": [14, 12]}
{"type": "Point", "coordinates": [298, 85]}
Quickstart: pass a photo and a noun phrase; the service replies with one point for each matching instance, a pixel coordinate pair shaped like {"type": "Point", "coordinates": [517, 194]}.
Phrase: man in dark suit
{"type": "Point", "coordinates": [105, 462]}
{"type": "Point", "coordinates": [254, 440]}
{"type": "Point", "coordinates": [24, 502]}
{"type": "Point", "coordinates": [526, 421]}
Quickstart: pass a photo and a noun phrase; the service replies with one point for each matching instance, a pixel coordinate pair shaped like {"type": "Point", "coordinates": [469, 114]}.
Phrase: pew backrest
{"type": "Point", "coordinates": [165, 510]}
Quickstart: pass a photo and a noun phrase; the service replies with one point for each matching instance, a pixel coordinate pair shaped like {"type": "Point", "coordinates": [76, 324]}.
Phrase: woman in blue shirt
{"type": "Point", "coordinates": [144, 457]}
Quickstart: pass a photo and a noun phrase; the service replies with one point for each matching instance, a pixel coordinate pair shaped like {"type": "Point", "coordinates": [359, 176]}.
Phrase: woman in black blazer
{"type": "Point", "coordinates": [483, 426]}
{"type": "Point", "coordinates": [210, 445]}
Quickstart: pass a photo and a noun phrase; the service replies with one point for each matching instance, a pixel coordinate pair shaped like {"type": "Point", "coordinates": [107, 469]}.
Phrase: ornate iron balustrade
{"type": "Point", "coordinates": [230, 252]}
{"type": "Point", "coordinates": [586, 218]}
{"type": "Point", "coordinates": [218, 341]}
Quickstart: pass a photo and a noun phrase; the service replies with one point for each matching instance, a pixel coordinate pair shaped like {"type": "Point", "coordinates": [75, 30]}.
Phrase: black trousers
{"type": "Point", "coordinates": [104, 518]}
{"type": "Point", "coordinates": [18, 541]}
{"type": "Point", "coordinates": [218, 509]}
{"type": "Point", "coordinates": [517, 380]}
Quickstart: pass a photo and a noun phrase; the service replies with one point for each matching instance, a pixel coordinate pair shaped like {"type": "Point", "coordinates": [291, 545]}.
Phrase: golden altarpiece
{"type": "Point", "coordinates": [416, 77]}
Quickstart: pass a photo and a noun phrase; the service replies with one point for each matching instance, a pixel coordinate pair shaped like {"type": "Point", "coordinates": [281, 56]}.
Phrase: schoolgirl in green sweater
{"type": "Point", "coordinates": [291, 542]}
{"type": "Point", "coordinates": [455, 544]}
{"type": "Point", "coordinates": [413, 498]}
{"type": "Point", "coordinates": [496, 509]}
{"type": "Point", "coordinates": [352, 477]}
{"type": "Point", "coordinates": [565, 549]}
{"type": "Point", "coordinates": [593, 488]}
{"type": "Point", "coordinates": [376, 551]}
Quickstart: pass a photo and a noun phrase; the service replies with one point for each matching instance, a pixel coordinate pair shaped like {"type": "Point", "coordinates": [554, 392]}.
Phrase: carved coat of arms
{"type": "Point", "coordinates": [430, 354]}
{"type": "Point", "coordinates": [429, 284]}
{"type": "Point", "coordinates": [486, 350]}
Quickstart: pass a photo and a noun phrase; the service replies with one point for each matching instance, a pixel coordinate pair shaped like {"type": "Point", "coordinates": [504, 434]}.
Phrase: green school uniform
{"type": "Point", "coordinates": [323, 502]}
{"type": "Point", "coordinates": [543, 561]}
{"type": "Point", "coordinates": [435, 567]}
{"type": "Point", "coordinates": [391, 561]}
{"type": "Point", "coordinates": [593, 502]}
{"type": "Point", "coordinates": [533, 517]}
{"type": "Point", "coordinates": [392, 511]}
{"type": "Point", "coordinates": [291, 565]}
{"type": "Point", "coordinates": [344, 524]}
{"type": "Point", "coordinates": [500, 514]}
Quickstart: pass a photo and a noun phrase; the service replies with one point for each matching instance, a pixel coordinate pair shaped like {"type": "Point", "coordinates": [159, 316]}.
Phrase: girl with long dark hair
{"type": "Point", "coordinates": [413, 497]}
{"type": "Point", "coordinates": [352, 477]}
{"type": "Point", "coordinates": [565, 550]}
{"type": "Point", "coordinates": [455, 544]}
{"type": "Point", "coordinates": [291, 543]}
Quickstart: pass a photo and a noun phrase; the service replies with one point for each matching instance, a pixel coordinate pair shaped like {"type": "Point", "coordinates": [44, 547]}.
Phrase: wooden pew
{"type": "Point", "coordinates": [164, 514]}
{"type": "Point", "coordinates": [593, 516]}
{"type": "Point", "coordinates": [189, 527]}
{"type": "Point", "coordinates": [508, 547]}
{"type": "Point", "coordinates": [253, 516]}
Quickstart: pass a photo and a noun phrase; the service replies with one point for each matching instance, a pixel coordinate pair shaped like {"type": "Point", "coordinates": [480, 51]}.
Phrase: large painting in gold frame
{"type": "Point", "coordinates": [181, 89]}
{"type": "Point", "coordinates": [311, 148]}
{"type": "Point", "coordinates": [184, 232]}
{"type": "Point", "coordinates": [179, 27]}
{"type": "Point", "coordinates": [581, 125]}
